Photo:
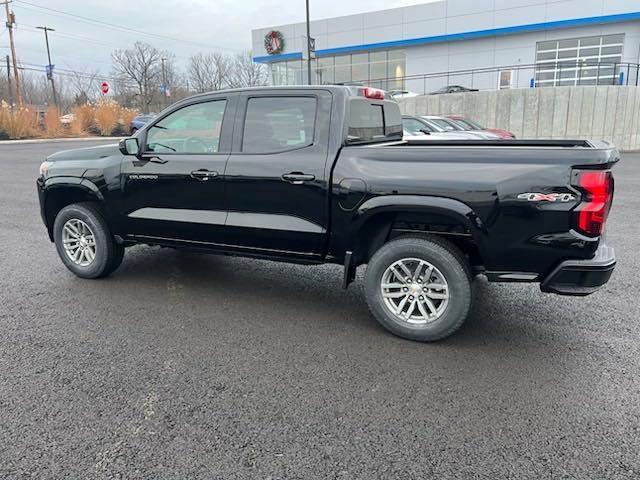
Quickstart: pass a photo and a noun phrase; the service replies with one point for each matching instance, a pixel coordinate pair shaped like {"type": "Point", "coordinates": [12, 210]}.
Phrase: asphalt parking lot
{"type": "Point", "coordinates": [185, 366]}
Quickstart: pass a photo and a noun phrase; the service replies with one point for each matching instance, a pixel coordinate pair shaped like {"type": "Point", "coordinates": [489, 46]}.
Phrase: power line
{"type": "Point", "coordinates": [119, 27]}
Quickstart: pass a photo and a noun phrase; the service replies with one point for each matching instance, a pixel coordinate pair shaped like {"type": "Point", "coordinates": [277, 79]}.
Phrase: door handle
{"type": "Point", "coordinates": [203, 174]}
{"type": "Point", "coordinates": [298, 178]}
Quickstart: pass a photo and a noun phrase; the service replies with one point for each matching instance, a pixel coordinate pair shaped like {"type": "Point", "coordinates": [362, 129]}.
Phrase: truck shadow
{"type": "Point", "coordinates": [501, 313]}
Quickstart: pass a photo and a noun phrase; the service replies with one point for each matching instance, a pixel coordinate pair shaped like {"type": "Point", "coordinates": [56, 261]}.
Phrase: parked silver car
{"type": "Point", "coordinates": [429, 128]}
{"type": "Point", "coordinates": [450, 125]}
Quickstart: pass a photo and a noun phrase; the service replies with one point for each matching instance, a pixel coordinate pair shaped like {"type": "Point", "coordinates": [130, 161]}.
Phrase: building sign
{"type": "Point", "coordinates": [273, 42]}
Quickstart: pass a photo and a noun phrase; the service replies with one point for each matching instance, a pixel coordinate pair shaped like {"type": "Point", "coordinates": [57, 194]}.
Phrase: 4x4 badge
{"type": "Point", "coordinates": [547, 197]}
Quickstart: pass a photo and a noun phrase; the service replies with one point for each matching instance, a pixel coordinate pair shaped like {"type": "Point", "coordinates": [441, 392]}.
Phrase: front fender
{"type": "Point", "coordinates": [56, 192]}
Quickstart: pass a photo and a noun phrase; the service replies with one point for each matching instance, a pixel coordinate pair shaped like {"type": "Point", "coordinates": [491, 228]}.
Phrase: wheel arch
{"type": "Point", "coordinates": [60, 192]}
{"type": "Point", "coordinates": [383, 218]}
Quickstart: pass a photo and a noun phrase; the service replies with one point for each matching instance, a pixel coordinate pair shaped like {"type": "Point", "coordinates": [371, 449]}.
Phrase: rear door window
{"type": "Point", "coordinates": [278, 124]}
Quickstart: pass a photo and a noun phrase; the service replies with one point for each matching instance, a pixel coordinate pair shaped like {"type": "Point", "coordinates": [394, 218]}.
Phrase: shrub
{"type": "Point", "coordinates": [83, 120]}
{"type": "Point", "coordinates": [126, 115]}
{"type": "Point", "coordinates": [106, 117]}
{"type": "Point", "coordinates": [18, 122]}
{"type": "Point", "coordinates": [52, 125]}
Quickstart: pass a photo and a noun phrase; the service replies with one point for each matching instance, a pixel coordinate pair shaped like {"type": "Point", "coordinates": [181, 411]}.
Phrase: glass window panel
{"type": "Point", "coordinates": [378, 68]}
{"type": "Point", "coordinates": [589, 41]}
{"type": "Point", "coordinates": [396, 69]}
{"type": "Point", "coordinates": [612, 50]}
{"type": "Point", "coordinates": [546, 75]}
{"type": "Point", "coordinates": [275, 124]}
{"type": "Point", "coordinates": [192, 129]}
{"type": "Point", "coordinates": [567, 54]}
{"type": "Point", "coordinates": [343, 69]}
{"type": "Point", "coordinates": [294, 72]}
{"type": "Point", "coordinates": [589, 52]}
{"type": "Point", "coordinates": [360, 67]}
{"type": "Point", "coordinates": [552, 45]}
{"type": "Point", "coordinates": [414, 127]}
{"type": "Point", "coordinates": [325, 71]}
{"type": "Point", "coordinates": [546, 55]}
{"type": "Point", "coordinates": [609, 39]}
{"type": "Point", "coordinates": [571, 43]}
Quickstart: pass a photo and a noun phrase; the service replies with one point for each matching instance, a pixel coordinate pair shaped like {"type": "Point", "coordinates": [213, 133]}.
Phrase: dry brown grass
{"type": "Point", "coordinates": [19, 122]}
{"type": "Point", "coordinates": [126, 116]}
{"type": "Point", "coordinates": [52, 126]}
{"type": "Point", "coordinates": [106, 116]}
{"type": "Point", "coordinates": [83, 120]}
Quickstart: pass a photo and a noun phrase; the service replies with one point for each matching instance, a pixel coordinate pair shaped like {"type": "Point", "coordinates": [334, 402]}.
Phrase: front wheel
{"type": "Point", "coordinates": [84, 242]}
{"type": "Point", "coordinates": [419, 288]}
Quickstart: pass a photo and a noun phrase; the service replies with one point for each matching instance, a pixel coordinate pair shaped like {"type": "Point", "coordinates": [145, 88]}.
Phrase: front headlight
{"type": "Point", "coordinates": [44, 168]}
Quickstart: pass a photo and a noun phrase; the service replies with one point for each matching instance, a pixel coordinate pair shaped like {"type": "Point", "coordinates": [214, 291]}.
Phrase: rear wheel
{"type": "Point", "coordinates": [84, 242]}
{"type": "Point", "coordinates": [419, 288]}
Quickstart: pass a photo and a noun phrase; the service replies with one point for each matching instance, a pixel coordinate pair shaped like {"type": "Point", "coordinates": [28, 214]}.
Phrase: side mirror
{"type": "Point", "coordinates": [129, 146]}
{"type": "Point", "coordinates": [425, 131]}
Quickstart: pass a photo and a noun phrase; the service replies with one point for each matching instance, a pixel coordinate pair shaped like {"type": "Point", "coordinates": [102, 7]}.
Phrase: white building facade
{"type": "Point", "coordinates": [480, 44]}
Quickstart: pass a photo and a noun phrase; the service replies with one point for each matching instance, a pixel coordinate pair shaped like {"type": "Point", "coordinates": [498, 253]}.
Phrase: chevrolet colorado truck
{"type": "Point", "coordinates": [321, 174]}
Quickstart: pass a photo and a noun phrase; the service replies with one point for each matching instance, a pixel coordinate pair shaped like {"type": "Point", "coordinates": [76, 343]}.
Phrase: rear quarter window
{"type": "Point", "coordinates": [371, 122]}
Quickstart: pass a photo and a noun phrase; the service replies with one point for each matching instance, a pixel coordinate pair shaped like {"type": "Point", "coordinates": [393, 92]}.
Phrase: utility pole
{"type": "Point", "coordinates": [11, 20]}
{"type": "Point", "coordinates": [50, 67]}
{"type": "Point", "coordinates": [9, 82]}
{"type": "Point", "coordinates": [309, 82]}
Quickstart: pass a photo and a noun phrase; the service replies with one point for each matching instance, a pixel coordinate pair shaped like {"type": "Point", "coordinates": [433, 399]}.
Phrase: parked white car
{"type": "Point", "coordinates": [429, 128]}
{"type": "Point", "coordinates": [450, 125]}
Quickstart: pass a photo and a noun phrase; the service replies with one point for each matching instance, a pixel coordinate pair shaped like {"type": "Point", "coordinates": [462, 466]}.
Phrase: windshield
{"type": "Point", "coordinates": [443, 125]}
{"type": "Point", "coordinates": [467, 124]}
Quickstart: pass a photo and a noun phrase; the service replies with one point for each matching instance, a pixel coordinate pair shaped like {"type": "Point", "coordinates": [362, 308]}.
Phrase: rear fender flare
{"type": "Point", "coordinates": [394, 204]}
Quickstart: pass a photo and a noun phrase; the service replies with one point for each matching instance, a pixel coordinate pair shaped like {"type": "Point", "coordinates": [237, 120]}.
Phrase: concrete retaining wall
{"type": "Point", "coordinates": [611, 113]}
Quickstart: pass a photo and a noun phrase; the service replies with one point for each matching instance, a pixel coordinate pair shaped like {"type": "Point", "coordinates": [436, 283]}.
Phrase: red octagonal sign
{"type": "Point", "coordinates": [104, 88]}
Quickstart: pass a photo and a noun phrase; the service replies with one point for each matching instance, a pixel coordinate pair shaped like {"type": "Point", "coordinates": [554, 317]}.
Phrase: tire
{"type": "Point", "coordinates": [85, 222]}
{"type": "Point", "coordinates": [439, 304]}
{"type": "Point", "coordinates": [117, 258]}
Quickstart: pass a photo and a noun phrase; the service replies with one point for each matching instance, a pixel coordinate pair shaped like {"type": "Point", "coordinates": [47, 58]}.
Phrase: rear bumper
{"type": "Point", "coordinates": [581, 277]}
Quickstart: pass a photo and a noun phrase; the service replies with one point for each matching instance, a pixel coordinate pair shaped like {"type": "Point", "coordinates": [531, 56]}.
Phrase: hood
{"type": "Point", "coordinates": [89, 153]}
{"type": "Point", "coordinates": [484, 134]}
{"type": "Point", "coordinates": [501, 133]}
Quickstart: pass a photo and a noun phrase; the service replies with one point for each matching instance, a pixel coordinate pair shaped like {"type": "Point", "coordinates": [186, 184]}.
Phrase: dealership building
{"type": "Point", "coordinates": [483, 44]}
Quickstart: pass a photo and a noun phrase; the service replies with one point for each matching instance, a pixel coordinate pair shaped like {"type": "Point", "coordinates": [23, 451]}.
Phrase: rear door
{"type": "Point", "coordinates": [174, 190]}
{"type": "Point", "coordinates": [276, 178]}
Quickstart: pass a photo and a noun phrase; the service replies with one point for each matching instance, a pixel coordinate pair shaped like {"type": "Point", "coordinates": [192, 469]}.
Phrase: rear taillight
{"type": "Point", "coordinates": [373, 93]}
{"type": "Point", "coordinates": [597, 190]}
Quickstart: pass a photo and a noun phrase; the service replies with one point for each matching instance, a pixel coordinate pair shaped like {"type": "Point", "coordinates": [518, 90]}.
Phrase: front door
{"type": "Point", "coordinates": [174, 190]}
{"type": "Point", "coordinates": [276, 178]}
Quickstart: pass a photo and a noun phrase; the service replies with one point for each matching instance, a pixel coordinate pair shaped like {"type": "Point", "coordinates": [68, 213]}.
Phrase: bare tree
{"type": "Point", "coordinates": [209, 71]}
{"type": "Point", "coordinates": [84, 85]}
{"type": "Point", "coordinates": [142, 64]}
{"type": "Point", "coordinates": [247, 73]}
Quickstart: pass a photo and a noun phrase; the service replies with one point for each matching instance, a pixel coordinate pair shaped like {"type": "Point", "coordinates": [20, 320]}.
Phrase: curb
{"type": "Point", "coordinates": [56, 140]}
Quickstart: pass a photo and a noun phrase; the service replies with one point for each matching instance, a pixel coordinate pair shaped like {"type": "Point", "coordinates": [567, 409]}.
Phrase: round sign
{"type": "Point", "coordinates": [104, 88]}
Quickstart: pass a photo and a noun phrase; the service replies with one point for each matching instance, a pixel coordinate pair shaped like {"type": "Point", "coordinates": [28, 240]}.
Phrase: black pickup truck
{"type": "Point", "coordinates": [321, 175]}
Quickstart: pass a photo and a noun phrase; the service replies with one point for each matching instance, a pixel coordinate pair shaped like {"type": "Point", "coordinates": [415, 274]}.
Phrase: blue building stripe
{"type": "Point", "coordinates": [492, 32]}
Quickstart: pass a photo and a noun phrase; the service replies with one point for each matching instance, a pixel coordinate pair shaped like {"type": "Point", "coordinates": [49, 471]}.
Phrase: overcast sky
{"type": "Point", "coordinates": [210, 25]}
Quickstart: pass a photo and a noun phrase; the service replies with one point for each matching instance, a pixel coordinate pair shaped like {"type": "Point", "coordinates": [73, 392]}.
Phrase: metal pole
{"type": "Point", "coordinates": [164, 82]}
{"type": "Point", "coordinates": [309, 82]}
{"type": "Point", "coordinates": [53, 85]}
{"type": "Point", "coordinates": [10, 23]}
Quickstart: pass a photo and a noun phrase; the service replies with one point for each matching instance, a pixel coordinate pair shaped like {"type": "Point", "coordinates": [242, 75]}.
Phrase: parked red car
{"type": "Point", "coordinates": [467, 124]}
